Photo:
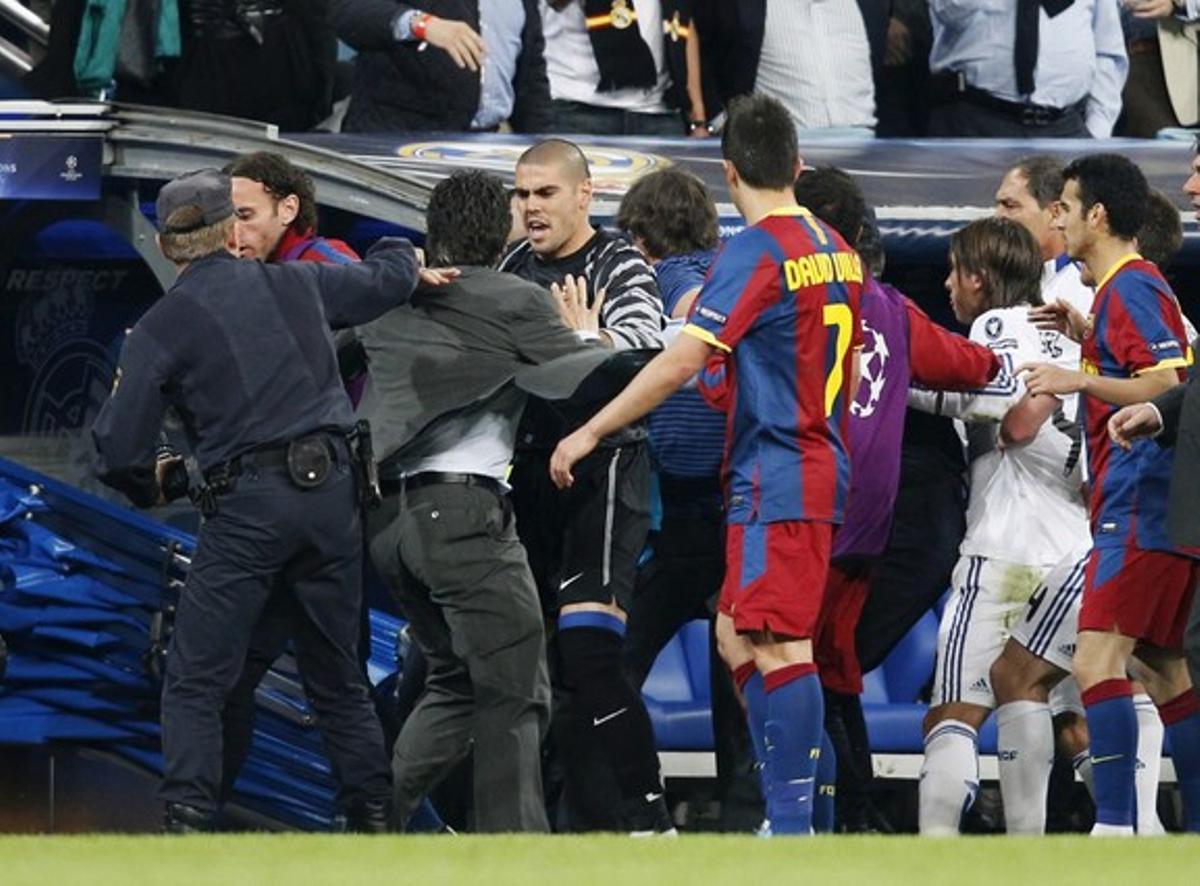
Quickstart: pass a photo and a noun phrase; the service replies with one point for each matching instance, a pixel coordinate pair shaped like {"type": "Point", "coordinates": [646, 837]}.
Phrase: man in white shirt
{"type": "Point", "coordinates": [812, 56]}
{"type": "Point", "coordinates": [1029, 194]}
{"type": "Point", "coordinates": [1026, 68]}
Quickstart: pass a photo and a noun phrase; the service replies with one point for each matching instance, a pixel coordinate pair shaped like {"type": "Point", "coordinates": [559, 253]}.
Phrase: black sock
{"type": "Point", "coordinates": [609, 712]}
{"type": "Point", "coordinates": [847, 730]}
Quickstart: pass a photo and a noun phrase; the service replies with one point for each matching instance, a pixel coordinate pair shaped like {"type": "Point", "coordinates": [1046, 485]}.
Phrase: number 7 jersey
{"type": "Point", "coordinates": [782, 304]}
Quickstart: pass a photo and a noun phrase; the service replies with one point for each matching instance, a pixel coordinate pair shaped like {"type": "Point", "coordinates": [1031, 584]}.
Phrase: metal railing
{"type": "Point", "coordinates": [15, 59]}
{"type": "Point", "coordinates": [144, 146]}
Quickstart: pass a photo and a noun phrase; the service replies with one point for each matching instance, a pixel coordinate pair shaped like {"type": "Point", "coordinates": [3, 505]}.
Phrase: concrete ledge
{"type": "Point", "coordinates": [703, 764]}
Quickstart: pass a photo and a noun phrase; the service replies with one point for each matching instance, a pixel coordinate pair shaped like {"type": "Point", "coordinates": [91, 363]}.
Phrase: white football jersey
{"type": "Point", "coordinates": [1026, 502]}
{"type": "Point", "coordinates": [1060, 282]}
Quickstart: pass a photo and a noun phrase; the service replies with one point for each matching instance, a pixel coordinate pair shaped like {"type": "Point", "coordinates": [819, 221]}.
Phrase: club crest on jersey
{"type": "Point", "coordinates": [993, 327]}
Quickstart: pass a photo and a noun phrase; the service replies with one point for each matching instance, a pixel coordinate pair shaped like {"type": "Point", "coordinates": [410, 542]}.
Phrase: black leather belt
{"type": "Point", "coordinates": [1026, 114]}
{"type": "Point", "coordinates": [223, 20]}
{"type": "Point", "coordinates": [393, 483]}
{"type": "Point", "coordinates": [951, 86]}
{"type": "Point", "coordinates": [267, 457]}
{"type": "Point", "coordinates": [264, 457]}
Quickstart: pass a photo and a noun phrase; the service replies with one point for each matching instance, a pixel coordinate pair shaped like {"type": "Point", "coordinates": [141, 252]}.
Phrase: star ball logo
{"type": "Point", "coordinates": [873, 366]}
{"type": "Point", "coordinates": [71, 173]}
{"type": "Point", "coordinates": [613, 169]}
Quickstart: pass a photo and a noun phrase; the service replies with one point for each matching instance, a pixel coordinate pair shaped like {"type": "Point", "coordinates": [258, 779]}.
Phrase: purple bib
{"type": "Point", "coordinates": [876, 424]}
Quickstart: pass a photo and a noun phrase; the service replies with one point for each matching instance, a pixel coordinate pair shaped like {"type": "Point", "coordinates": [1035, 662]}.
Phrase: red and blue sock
{"type": "Point", "coordinates": [1112, 724]}
{"type": "Point", "coordinates": [1181, 719]}
{"type": "Point", "coordinates": [825, 801]}
{"type": "Point", "coordinates": [747, 679]}
{"type": "Point", "coordinates": [793, 731]}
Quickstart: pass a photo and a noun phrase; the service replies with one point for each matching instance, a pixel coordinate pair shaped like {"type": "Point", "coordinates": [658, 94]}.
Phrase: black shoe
{"type": "Point", "coordinates": [369, 817]}
{"type": "Point", "coordinates": [862, 818]}
{"type": "Point", "coordinates": [646, 817]}
{"type": "Point", "coordinates": [180, 818]}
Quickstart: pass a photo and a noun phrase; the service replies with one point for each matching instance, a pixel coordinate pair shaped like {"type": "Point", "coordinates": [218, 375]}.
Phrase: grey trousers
{"type": "Point", "coordinates": [450, 553]}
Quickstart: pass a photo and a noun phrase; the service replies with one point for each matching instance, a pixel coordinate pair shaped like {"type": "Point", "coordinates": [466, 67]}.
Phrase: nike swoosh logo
{"type": "Point", "coordinates": [570, 581]}
{"type": "Point", "coordinates": [1107, 758]}
{"type": "Point", "coordinates": [597, 721]}
{"type": "Point", "coordinates": [650, 798]}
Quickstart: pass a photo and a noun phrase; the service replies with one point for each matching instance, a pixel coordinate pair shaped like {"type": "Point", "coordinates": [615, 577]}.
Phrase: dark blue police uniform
{"type": "Point", "coordinates": [242, 351]}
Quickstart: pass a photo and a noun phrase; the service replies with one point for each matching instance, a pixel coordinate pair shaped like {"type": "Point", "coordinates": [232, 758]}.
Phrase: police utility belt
{"type": "Point", "coordinates": [308, 461]}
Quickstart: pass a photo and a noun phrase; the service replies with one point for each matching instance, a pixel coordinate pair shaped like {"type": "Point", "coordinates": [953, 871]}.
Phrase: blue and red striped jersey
{"type": "Point", "coordinates": [782, 302]}
{"type": "Point", "coordinates": [308, 246]}
{"type": "Point", "coordinates": [1137, 327]}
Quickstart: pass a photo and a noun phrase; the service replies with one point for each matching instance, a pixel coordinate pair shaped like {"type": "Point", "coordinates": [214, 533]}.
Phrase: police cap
{"type": "Point", "coordinates": [208, 190]}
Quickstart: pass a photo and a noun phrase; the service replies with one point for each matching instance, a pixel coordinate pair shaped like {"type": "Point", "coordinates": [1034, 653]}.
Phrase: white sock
{"type": "Point", "coordinates": [1149, 765]}
{"type": "Point", "coordinates": [949, 777]}
{"type": "Point", "coordinates": [1026, 756]}
{"type": "Point", "coordinates": [1083, 768]}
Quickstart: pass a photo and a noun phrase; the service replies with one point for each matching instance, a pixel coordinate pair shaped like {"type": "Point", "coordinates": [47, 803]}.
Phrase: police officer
{"type": "Point", "coordinates": [276, 208]}
{"type": "Point", "coordinates": [242, 351]}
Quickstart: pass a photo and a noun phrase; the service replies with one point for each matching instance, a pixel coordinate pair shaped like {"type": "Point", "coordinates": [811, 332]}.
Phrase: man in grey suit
{"type": "Point", "coordinates": [444, 407]}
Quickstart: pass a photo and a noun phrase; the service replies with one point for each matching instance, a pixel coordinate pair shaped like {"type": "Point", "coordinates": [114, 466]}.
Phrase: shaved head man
{"type": "Point", "coordinates": [554, 193]}
{"type": "Point", "coordinates": [583, 544]}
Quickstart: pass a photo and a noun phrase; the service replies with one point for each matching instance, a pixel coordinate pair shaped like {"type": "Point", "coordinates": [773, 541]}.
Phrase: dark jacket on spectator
{"type": "Point", "coordinates": [731, 36]}
{"type": "Point", "coordinates": [1180, 411]}
{"type": "Point", "coordinates": [399, 86]}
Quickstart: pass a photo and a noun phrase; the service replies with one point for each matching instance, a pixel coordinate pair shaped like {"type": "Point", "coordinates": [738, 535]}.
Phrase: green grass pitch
{"type": "Point", "coordinates": [299, 860]}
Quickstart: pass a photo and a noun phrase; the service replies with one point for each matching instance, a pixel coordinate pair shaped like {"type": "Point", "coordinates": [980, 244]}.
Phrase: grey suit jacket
{"type": "Point", "coordinates": [451, 347]}
{"type": "Point", "coordinates": [1180, 409]}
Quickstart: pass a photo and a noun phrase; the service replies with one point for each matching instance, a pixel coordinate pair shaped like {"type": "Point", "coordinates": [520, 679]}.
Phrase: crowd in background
{"type": "Point", "coordinates": [889, 68]}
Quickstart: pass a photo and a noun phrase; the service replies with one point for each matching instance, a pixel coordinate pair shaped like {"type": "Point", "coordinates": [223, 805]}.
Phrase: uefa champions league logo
{"type": "Point", "coordinates": [71, 173]}
{"type": "Point", "coordinates": [873, 363]}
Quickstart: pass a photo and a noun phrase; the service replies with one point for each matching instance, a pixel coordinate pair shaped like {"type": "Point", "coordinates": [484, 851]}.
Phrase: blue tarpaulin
{"type": "Point", "coordinates": [81, 584]}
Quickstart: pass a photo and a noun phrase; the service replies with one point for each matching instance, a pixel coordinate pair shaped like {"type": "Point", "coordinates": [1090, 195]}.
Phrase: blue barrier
{"type": "Point", "coordinates": [83, 585]}
{"type": "Point", "coordinates": [680, 701]}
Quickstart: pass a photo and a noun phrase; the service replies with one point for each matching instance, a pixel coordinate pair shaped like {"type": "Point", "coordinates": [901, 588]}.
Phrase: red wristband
{"type": "Point", "coordinates": [420, 23]}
